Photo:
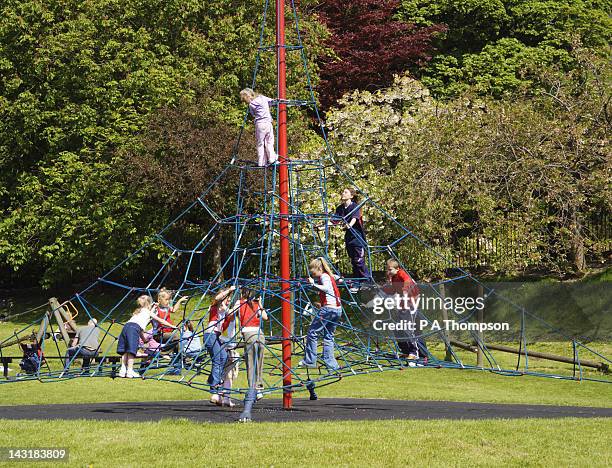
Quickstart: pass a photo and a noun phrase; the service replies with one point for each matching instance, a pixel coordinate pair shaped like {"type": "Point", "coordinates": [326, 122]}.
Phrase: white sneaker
{"type": "Point", "coordinates": [215, 399]}
{"type": "Point", "coordinates": [259, 396]}
{"type": "Point", "coordinates": [229, 403]}
{"type": "Point", "coordinates": [353, 289]}
{"type": "Point", "coordinates": [133, 375]}
{"type": "Point", "coordinates": [304, 364]}
{"type": "Point", "coordinates": [122, 372]}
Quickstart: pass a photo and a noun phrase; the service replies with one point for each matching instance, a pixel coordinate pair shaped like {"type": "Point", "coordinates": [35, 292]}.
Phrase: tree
{"type": "Point", "coordinates": [529, 173]}
{"type": "Point", "coordinates": [182, 150]}
{"type": "Point", "coordinates": [79, 80]}
{"type": "Point", "coordinates": [496, 44]}
{"type": "Point", "coordinates": [369, 46]}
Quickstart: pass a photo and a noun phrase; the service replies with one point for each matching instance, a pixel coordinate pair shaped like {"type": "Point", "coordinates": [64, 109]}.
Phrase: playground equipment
{"type": "Point", "coordinates": [280, 219]}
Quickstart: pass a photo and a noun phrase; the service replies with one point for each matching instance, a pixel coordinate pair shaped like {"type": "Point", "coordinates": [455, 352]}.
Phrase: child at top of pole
{"type": "Point", "coordinates": [259, 108]}
{"type": "Point", "coordinates": [213, 342]}
{"type": "Point", "coordinates": [325, 322]}
{"type": "Point", "coordinates": [354, 235]}
{"type": "Point", "coordinates": [251, 315]}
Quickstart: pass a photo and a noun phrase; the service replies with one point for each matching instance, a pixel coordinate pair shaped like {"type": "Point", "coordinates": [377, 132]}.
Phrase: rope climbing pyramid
{"type": "Point", "coordinates": [246, 327]}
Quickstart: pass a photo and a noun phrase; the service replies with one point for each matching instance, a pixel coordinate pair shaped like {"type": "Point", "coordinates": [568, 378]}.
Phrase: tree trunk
{"type": "Point", "coordinates": [217, 260]}
{"type": "Point", "coordinates": [578, 252]}
{"type": "Point", "coordinates": [577, 245]}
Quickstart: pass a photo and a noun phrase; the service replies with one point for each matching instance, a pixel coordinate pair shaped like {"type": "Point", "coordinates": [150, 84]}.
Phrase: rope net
{"type": "Point", "coordinates": [218, 242]}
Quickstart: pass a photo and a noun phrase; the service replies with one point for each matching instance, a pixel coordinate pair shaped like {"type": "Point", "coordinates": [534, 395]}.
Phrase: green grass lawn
{"type": "Point", "coordinates": [566, 442]}
{"type": "Point", "coordinates": [534, 442]}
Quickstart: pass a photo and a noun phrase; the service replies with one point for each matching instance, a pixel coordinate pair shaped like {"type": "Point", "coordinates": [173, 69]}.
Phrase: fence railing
{"type": "Point", "coordinates": [506, 251]}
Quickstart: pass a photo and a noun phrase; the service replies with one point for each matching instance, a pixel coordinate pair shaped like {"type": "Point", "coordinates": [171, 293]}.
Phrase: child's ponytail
{"type": "Point", "coordinates": [143, 302]}
{"type": "Point", "coordinates": [320, 264]}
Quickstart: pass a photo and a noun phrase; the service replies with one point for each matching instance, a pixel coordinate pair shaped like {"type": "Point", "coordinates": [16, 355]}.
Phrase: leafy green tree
{"type": "Point", "coordinates": [78, 81]}
{"type": "Point", "coordinates": [523, 179]}
{"type": "Point", "coordinates": [496, 44]}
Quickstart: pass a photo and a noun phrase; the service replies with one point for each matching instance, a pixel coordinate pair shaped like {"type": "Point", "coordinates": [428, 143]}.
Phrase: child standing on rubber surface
{"type": "Point", "coordinates": [326, 320]}
{"type": "Point", "coordinates": [259, 108]}
{"type": "Point", "coordinates": [132, 332]}
{"type": "Point", "coordinates": [214, 343]}
{"type": "Point", "coordinates": [251, 314]}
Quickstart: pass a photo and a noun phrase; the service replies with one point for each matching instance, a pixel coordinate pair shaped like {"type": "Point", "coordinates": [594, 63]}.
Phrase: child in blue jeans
{"type": "Point", "coordinates": [213, 343]}
{"type": "Point", "coordinates": [325, 322]}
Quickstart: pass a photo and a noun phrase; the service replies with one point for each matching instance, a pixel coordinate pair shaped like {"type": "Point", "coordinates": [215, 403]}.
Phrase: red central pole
{"type": "Point", "coordinates": [283, 189]}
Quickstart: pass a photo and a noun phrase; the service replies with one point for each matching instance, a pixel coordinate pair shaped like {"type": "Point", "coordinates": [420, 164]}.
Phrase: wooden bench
{"type": "Point", "coordinates": [114, 360]}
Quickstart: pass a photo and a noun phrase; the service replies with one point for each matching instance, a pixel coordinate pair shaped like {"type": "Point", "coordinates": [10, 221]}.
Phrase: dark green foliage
{"type": "Point", "coordinates": [495, 45]}
{"type": "Point", "coordinates": [78, 80]}
{"type": "Point", "coordinates": [90, 89]}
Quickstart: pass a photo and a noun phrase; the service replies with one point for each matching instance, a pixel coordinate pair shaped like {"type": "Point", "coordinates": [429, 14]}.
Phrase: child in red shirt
{"type": "Point", "coordinates": [251, 314]}
{"type": "Point", "coordinates": [163, 309]}
{"type": "Point", "coordinates": [401, 283]}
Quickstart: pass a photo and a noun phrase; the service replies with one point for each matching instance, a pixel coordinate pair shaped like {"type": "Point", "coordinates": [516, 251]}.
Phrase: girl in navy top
{"type": "Point", "coordinates": [354, 235]}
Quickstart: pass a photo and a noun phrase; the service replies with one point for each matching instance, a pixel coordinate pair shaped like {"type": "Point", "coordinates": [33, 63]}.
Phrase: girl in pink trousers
{"type": "Point", "coordinates": [259, 108]}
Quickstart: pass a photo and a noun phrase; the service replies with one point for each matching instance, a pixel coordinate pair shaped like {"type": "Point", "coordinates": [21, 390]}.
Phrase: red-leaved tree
{"type": "Point", "coordinates": [369, 46]}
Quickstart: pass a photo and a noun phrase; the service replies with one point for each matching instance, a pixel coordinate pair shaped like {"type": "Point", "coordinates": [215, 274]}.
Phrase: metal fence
{"type": "Point", "coordinates": [506, 251]}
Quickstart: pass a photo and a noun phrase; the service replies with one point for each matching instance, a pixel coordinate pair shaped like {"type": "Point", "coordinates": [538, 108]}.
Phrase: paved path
{"type": "Point", "coordinates": [304, 410]}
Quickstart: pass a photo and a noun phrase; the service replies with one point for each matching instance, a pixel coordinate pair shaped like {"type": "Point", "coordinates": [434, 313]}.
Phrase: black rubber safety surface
{"type": "Point", "coordinates": [326, 409]}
